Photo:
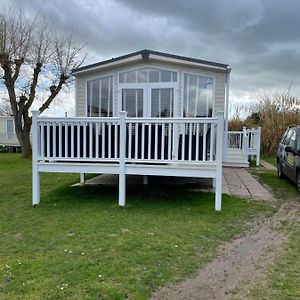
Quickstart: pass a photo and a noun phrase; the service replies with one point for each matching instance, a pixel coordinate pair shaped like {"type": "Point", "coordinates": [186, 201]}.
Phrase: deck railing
{"type": "Point", "coordinates": [145, 140]}
{"type": "Point", "coordinates": [190, 147]}
{"type": "Point", "coordinates": [247, 141]}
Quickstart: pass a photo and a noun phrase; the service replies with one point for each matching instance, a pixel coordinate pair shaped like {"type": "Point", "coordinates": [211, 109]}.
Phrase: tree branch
{"type": "Point", "coordinates": [36, 73]}
{"type": "Point", "coordinates": [54, 91]}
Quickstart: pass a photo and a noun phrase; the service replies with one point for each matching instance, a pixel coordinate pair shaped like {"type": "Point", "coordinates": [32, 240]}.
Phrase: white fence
{"type": "Point", "coordinates": [190, 147]}
{"type": "Point", "coordinates": [247, 141]}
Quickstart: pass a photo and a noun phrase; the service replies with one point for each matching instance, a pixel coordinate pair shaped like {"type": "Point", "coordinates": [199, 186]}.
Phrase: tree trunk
{"type": "Point", "coordinates": [24, 140]}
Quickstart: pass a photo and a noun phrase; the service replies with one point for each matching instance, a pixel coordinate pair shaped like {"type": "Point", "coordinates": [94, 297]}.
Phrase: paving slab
{"type": "Point", "coordinates": [241, 183]}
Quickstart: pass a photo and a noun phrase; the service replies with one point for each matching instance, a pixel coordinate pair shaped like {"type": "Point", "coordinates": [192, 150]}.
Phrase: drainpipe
{"type": "Point", "coordinates": [226, 113]}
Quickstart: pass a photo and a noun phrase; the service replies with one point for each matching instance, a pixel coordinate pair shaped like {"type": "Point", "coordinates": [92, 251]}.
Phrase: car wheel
{"type": "Point", "coordinates": [298, 181]}
{"type": "Point", "coordinates": [279, 171]}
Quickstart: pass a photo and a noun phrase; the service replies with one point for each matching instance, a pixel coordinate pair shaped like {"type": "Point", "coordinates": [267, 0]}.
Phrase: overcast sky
{"type": "Point", "coordinates": [259, 39]}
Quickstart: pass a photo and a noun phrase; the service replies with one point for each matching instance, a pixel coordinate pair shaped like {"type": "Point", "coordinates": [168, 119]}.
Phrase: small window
{"type": "Point", "coordinates": [100, 97]}
{"type": "Point", "coordinates": [147, 75]}
{"type": "Point", "coordinates": [10, 126]}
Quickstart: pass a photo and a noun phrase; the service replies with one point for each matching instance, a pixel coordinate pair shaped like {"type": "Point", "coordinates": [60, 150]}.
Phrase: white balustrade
{"type": "Point", "coordinates": [149, 140]}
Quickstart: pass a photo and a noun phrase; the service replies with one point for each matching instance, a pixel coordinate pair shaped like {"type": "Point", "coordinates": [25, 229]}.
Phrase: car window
{"type": "Point", "coordinates": [286, 137]}
{"type": "Point", "coordinates": [291, 139]}
{"type": "Point", "coordinates": [283, 137]}
{"type": "Point", "coordinates": [298, 143]}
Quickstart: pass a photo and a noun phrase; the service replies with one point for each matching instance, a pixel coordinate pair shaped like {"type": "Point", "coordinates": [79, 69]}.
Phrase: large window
{"type": "Point", "coordinates": [197, 96]}
{"type": "Point", "coordinates": [147, 75]}
{"type": "Point", "coordinates": [100, 97]}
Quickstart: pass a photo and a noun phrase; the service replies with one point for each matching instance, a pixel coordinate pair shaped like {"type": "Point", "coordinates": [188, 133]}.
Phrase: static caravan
{"type": "Point", "coordinates": [144, 113]}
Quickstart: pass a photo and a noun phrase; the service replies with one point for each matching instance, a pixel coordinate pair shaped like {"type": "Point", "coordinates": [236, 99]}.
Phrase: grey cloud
{"type": "Point", "coordinates": [259, 39]}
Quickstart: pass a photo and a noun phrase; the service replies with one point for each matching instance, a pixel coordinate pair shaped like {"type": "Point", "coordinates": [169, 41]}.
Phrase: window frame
{"type": "Point", "coordinates": [213, 89]}
{"type": "Point", "coordinates": [97, 77]}
{"type": "Point", "coordinates": [13, 125]}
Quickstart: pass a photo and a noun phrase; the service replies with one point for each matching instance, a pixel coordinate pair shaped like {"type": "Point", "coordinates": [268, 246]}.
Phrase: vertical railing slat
{"type": "Point", "coordinates": [136, 140]}
{"type": "Point", "coordinates": [162, 155]}
{"type": "Point", "coordinates": [143, 141]}
{"type": "Point", "coordinates": [97, 140]}
{"type": "Point", "coordinates": [109, 140]}
{"type": "Point", "coordinates": [156, 141]}
{"type": "Point", "coordinates": [72, 140]}
{"type": "Point", "coordinates": [48, 140]}
{"type": "Point", "coordinates": [204, 142]}
{"type": "Point", "coordinates": [90, 139]}
{"type": "Point", "coordinates": [190, 128]}
{"type": "Point", "coordinates": [129, 140]}
{"type": "Point", "coordinates": [84, 140]}
{"type": "Point", "coordinates": [183, 143]}
{"type": "Point", "coordinates": [197, 142]}
{"type": "Point", "coordinates": [103, 140]}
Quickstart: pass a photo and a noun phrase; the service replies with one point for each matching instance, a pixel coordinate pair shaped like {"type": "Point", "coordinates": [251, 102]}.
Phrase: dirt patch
{"type": "Point", "coordinates": [241, 263]}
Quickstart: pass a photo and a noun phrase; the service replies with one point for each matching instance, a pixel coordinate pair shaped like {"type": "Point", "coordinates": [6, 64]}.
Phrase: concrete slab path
{"type": "Point", "coordinates": [242, 184]}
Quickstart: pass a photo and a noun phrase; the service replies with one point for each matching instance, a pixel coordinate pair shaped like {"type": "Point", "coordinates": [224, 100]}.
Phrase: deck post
{"type": "Point", "coordinates": [122, 174]}
{"type": "Point", "coordinates": [258, 140]}
{"type": "Point", "coordinates": [35, 173]}
{"type": "Point", "coordinates": [145, 179]}
{"type": "Point", "coordinates": [82, 179]}
{"type": "Point", "coordinates": [219, 159]}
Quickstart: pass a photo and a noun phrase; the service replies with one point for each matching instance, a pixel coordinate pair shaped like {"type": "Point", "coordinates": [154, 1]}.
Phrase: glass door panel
{"type": "Point", "coordinates": [133, 102]}
{"type": "Point", "coordinates": [162, 102]}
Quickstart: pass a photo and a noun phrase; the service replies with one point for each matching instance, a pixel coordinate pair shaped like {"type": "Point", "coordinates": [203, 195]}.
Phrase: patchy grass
{"type": "Point", "coordinates": [78, 244]}
{"type": "Point", "coordinates": [284, 276]}
{"type": "Point", "coordinates": [270, 159]}
{"type": "Point", "coordinates": [282, 188]}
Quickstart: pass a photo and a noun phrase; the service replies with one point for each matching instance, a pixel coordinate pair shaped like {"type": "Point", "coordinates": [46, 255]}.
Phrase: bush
{"type": "Point", "coordinates": [273, 114]}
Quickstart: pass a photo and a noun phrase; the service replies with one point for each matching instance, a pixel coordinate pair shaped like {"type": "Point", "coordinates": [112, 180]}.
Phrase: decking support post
{"type": "Point", "coordinates": [82, 179]}
{"type": "Point", "coordinates": [145, 179]}
{"type": "Point", "coordinates": [122, 174]}
{"type": "Point", "coordinates": [258, 140]}
{"type": "Point", "coordinates": [219, 159]}
{"type": "Point", "coordinates": [35, 150]}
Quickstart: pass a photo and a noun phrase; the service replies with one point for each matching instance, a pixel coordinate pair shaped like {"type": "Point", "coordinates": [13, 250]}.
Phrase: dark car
{"type": "Point", "coordinates": [288, 155]}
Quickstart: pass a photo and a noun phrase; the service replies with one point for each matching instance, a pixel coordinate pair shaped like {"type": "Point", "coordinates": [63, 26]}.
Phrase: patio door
{"type": "Point", "coordinates": [149, 101]}
{"type": "Point", "coordinates": [133, 101]}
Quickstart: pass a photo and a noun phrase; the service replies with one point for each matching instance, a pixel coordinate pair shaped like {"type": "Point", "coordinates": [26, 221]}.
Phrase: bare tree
{"type": "Point", "coordinates": [29, 51]}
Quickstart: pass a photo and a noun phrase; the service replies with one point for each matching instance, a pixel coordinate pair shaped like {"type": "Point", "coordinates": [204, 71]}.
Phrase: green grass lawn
{"type": "Point", "coordinates": [270, 159]}
{"type": "Point", "coordinates": [78, 244]}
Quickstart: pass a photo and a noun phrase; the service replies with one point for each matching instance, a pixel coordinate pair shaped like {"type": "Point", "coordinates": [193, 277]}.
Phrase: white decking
{"type": "Point", "coordinates": [183, 147]}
